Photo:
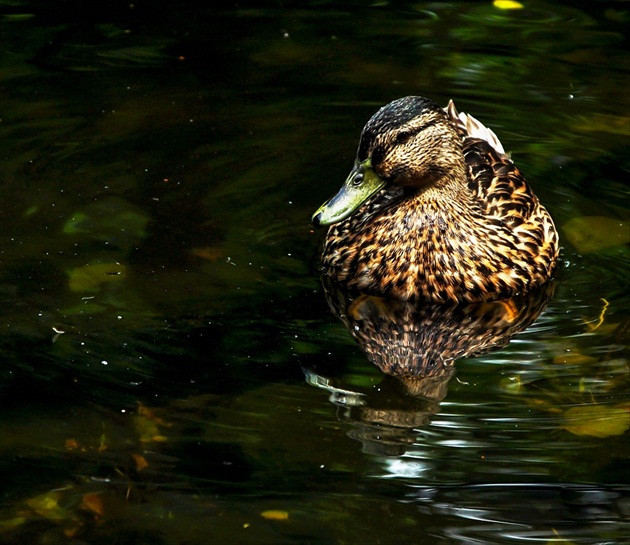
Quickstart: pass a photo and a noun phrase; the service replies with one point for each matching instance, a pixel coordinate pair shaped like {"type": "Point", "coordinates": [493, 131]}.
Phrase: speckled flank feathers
{"type": "Point", "coordinates": [456, 220]}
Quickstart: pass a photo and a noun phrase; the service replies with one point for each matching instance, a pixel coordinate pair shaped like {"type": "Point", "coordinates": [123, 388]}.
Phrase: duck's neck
{"type": "Point", "coordinates": [450, 187]}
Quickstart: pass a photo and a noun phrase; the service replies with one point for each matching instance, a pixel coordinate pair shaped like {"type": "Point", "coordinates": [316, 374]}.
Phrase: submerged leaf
{"type": "Point", "coordinates": [148, 424]}
{"type": "Point", "coordinates": [113, 220]}
{"type": "Point", "coordinates": [612, 124]}
{"type": "Point", "coordinates": [593, 233]}
{"type": "Point", "coordinates": [93, 502]}
{"type": "Point", "coordinates": [71, 444]}
{"type": "Point", "coordinates": [10, 524]}
{"type": "Point", "coordinates": [512, 384]}
{"type": "Point", "coordinates": [597, 420]}
{"type": "Point", "coordinates": [140, 461]}
{"type": "Point", "coordinates": [90, 277]}
{"type": "Point", "coordinates": [147, 430]}
{"type": "Point", "coordinates": [47, 506]}
{"type": "Point", "coordinates": [209, 253]}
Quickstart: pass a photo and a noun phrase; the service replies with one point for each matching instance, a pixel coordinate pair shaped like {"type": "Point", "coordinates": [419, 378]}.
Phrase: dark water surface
{"type": "Point", "coordinates": [170, 371]}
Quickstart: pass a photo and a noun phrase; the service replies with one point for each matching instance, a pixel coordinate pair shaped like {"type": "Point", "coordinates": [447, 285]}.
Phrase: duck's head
{"type": "Point", "coordinates": [410, 142]}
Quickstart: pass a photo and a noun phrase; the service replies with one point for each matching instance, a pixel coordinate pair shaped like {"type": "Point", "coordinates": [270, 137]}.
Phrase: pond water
{"type": "Point", "coordinates": [170, 370]}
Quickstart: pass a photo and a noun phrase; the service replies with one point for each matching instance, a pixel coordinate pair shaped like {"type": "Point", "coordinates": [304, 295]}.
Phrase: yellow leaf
{"type": "Point", "coordinates": [273, 514]}
{"type": "Point", "coordinates": [47, 506]}
{"type": "Point", "coordinates": [507, 4]}
{"type": "Point", "coordinates": [597, 420]}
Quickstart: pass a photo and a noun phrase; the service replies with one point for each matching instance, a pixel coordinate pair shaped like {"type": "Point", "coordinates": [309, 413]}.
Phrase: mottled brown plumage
{"type": "Point", "coordinates": [447, 215]}
{"type": "Point", "coordinates": [412, 340]}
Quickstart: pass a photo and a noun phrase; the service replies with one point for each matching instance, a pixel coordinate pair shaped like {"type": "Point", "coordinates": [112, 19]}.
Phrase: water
{"type": "Point", "coordinates": [171, 372]}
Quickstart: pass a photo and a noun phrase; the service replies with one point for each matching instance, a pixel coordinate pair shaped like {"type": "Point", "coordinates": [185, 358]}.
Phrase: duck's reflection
{"type": "Point", "coordinates": [416, 345]}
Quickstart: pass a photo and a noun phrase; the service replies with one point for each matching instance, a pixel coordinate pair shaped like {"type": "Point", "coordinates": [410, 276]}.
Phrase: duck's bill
{"type": "Point", "coordinates": [362, 183]}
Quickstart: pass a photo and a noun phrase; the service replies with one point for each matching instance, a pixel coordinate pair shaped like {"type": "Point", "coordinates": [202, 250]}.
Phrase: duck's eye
{"type": "Point", "coordinates": [358, 179]}
{"type": "Point", "coordinates": [403, 136]}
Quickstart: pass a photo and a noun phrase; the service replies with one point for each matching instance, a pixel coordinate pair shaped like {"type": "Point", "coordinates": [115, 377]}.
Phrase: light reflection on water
{"type": "Point", "coordinates": [528, 513]}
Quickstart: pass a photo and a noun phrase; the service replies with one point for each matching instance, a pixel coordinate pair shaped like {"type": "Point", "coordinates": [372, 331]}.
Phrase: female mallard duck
{"type": "Point", "coordinates": [435, 210]}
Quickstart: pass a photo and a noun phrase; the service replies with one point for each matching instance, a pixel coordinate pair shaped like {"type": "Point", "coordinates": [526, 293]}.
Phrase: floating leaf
{"type": "Point", "coordinates": [597, 420]}
{"type": "Point", "coordinates": [274, 514]}
{"type": "Point", "coordinates": [507, 4]}
{"type": "Point", "coordinates": [593, 233]}
{"type": "Point", "coordinates": [90, 277]}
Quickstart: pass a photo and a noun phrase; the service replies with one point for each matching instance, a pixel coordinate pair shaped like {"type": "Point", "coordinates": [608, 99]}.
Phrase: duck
{"type": "Point", "coordinates": [435, 210]}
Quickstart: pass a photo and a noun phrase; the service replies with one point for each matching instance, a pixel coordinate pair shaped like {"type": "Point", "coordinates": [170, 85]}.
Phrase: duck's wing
{"type": "Point", "coordinates": [500, 187]}
{"type": "Point", "coordinates": [473, 128]}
